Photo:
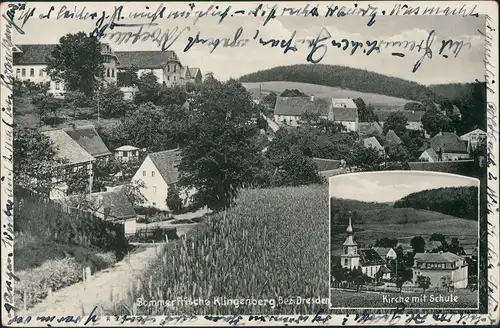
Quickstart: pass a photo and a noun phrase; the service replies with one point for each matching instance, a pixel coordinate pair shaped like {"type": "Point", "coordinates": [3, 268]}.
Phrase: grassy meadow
{"type": "Point", "coordinates": [377, 100]}
{"type": "Point", "coordinates": [273, 242]}
{"type": "Point", "coordinates": [375, 221]}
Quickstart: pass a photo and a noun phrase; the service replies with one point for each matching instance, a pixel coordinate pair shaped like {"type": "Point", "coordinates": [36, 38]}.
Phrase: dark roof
{"type": "Point", "coordinates": [117, 202]}
{"type": "Point", "coordinates": [392, 139]}
{"type": "Point", "coordinates": [67, 148]}
{"type": "Point", "coordinates": [412, 116]}
{"type": "Point", "coordinates": [370, 257]}
{"type": "Point", "coordinates": [449, 142]}
{"type": "Point", "coordinates": [89, 139]}
{"type": "Point", "coordinates": [382, 251]}
{"type": "Point", "coordinates": [326, 164]}
{"type": "Point", "coordinates": [145, 59]}
{"type": "Point", "coordinates": [166, 163]}
{"type": "Point", "coordinates": [33, 54]}
{"type": "Point", "coordinates": [194, 71]}
{"type": "Point", "coordinates": [297, 106]}
{"type": "Point", "coordinates": [370, 128]}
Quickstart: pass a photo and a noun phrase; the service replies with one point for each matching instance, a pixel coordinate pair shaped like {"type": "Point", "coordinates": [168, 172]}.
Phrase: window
{"type": "Point", "coordinates": [175, 68]}
{"type": "Point", "coordinates": [168, 68]}
{"type": "Point", "coordinates": [143, 173]}
{"type": "Point", "coordinates": [168, 78]}
{"type": "Point", "coordinates": [41, 72]}
{"type": "Point", "coordinates": [24, 72]}
{"type": "Point", "coordinates": [154, 189]}
{"type": "Point", "coordinates": [57, 85]}
{"type": "Point", "coordinates": [124, 154]}
{"type": "Point", "coordinates": [152, 173]}
{"type": "Point", "coordinates": [107, 72]}
{"type": "Point", "coordinates": [345, 250]}
{"type": "Point", "coordinates": [345, 262]}
{"type": "Point", "coordinates": [32, 72]}
{"type": "Point", "coordinates": [18, 71]}
{"type": "Point", "coordinates": [154, 203]}
{"type": "Point", "coordinates": [174, 78]}
{"type": "Point", "coordinates": [112, 72]}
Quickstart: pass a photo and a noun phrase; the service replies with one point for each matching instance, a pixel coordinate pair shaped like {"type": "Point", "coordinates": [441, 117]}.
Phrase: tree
{"type": "Point", "coordinates": [133, 192]}
{"type": "Point", "coordinates": [78, 182]}
{"type": "Point", "coordinates": [148, 89]}
{"type": "Point", "coordinates": [270, 99]}
{"type": "Point", "coordinates": [386, 242]}
{"type": "Point", "coordinates": [455, 247]}
{"type": "Point", "coordinates": [127, 76]}
{"type": "Point", "coordinates": [292, 93]}
{"type": "Point", "coordinates": [35, 160]}
{"type": "Point", "coordinates": [111, 102]}
{"type": "Point", "coordinates": [414, 106]}
{"type": "Point", "coordinates": [365, 113]}
{"type": "Point", "coordinates": [77, 60]}
{"type": "Point", "coordinates": [397, 122]}
{"type": "Point", "coordinates": [434, 121]}
{"type": "Point", "coordinates": [220, 154]}
{"type": "Point", "coordinates": [47, 106]}
{"type": "Point", "coordinates": [403, 275]}
{"type": "Point", "coordinates": [418, 244]}
{"type": "Point", "coordinates": [447, 283]}
{"type": "Point", "coordinates": [397, 154]}
{"type": "Point", "coordinates": [76, 100]}
{"type": "Point", "coordinates": [174, 200]}
{"type": "Point", "coordinates": [364, 159]}
{"type": "Point", "coordinates": [423, 282]}
{"type": "Point", "coordinates": [167, 96]}
{"type": "Point", "coordinates": [437, 237]}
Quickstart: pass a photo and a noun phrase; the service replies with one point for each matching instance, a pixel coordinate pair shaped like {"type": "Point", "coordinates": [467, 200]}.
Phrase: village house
{"type": "Point", "coordinates": [439, 265]}
{"type": "Point", "coordinates": [30, 63]}
{"type": "Point", "coordinates": [158, 173]}
{"type": "Point", "coordinates": [473, 138]}
{"type": "Point", "coordinates": [392, 139]}
{"type": "Point", "coordinates": [448, 146]}
{"type": "Point", "coordinates": [386, 253]}
{"type": "Point", "coordinates": [429, 155]}
{"type": "Point", "coordinates": [372, 142]}
{"type": "Point", "coordinates": [414, 118]}
{"type": "Point", "coordinates": [370, 129]}
{"type": "Point", "coordinates": [126, 153]}
{"type": "Point", "coordinates": [111, 205]}
{"type": "Point", "coordinates": [367, 259]}
{"type": "Point", "coordinates": [290, 110]}
{"type": "Point", "coordinates": [75, 158]}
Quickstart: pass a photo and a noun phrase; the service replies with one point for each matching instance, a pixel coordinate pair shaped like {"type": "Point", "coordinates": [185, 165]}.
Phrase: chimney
{"type": "Point", "coordinates": [312, 97]}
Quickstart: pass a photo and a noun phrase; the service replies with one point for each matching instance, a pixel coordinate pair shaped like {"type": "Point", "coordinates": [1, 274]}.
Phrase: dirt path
{"type": "Point", "coordinates": [75, 299]}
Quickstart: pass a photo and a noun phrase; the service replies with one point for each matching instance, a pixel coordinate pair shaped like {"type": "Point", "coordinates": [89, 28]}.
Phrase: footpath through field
{"type": "Point", "coordinates": [83, 296]}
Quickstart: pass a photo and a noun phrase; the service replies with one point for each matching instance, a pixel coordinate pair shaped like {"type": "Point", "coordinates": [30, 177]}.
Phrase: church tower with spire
{"type": "Point", "coordinates": [350, 255]}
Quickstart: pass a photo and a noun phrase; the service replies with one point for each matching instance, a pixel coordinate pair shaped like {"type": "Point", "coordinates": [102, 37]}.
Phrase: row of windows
{"type": "Point", "coordinates": [174, 68]}
{"type": "Point", "coordinates": [22, 72]}
{"type": "Point", "coordinates": [145, 174]}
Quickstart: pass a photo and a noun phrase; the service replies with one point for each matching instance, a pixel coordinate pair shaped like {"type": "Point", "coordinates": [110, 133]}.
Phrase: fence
{"type": "Point", "coordinates": [156, 234]}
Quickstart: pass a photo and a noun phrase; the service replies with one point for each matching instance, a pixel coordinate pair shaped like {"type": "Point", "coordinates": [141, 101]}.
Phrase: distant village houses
{"type": "Point", "coordinates": [414, 118]}
{"type": "Point", "coordinates": [290, 110]}
{"type": "Point", "coordinates": [30, 63]}
{"type": "Point", "coordinates": [445, 146]}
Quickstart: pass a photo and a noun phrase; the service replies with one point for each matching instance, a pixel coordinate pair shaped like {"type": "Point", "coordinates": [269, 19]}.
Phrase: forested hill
{"type": "Point", "coordinates": [452, 91]}
{"type": "Point", "coordinates": [460, 202]}
{"type": "Point", "coordinates": [344, 77]}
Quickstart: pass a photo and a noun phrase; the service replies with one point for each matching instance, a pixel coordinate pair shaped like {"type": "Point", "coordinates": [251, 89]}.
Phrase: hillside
{"type": "Point", "coordinates": [452, 91]}
{"type": "Point", "coordinates": [345, 78]}
{"type": "Point", "coordinates": [460, 201]}
{"type": "Point", "coordinates": [377, 100]}
{"type": "Point", "coordinates": [372, 221]}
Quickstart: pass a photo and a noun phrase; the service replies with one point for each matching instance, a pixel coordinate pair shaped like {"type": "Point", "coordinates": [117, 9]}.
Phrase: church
{"type": "Point", "coordinates": [367, 259]}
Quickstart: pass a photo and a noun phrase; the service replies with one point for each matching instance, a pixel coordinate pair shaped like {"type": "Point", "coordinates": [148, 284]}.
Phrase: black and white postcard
{"type": "Point", "coordinates": [249, 163]}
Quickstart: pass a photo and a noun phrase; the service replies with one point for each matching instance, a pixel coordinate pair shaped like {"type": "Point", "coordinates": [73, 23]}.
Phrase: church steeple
{"type": "Point", "coordinates": [350, 256]}
{"type": "Point", "coordinates": [349, 227]}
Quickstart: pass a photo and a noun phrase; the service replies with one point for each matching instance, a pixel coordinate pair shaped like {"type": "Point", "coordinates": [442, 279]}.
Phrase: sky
{"type": "Point", "coordinates": [226, 62]}
{"type": "Point", "coordinates": [389, 186]}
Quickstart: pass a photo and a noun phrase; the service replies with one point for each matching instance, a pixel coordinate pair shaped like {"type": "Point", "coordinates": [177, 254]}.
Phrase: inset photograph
{"type": "Point", "coordinates": [404, 239]}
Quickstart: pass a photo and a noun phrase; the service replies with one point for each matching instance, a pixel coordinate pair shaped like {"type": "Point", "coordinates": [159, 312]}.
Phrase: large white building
{"type": "Point", "coordinates": [30, 63]}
